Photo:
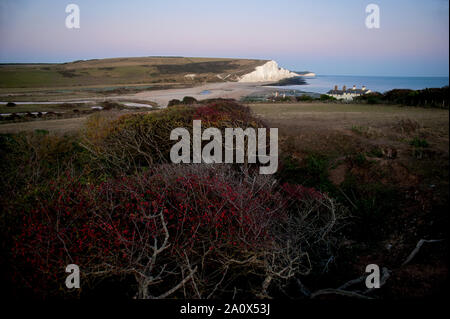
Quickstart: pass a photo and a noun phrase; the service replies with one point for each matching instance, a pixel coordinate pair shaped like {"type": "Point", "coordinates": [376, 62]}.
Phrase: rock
{"type": "Point", "coordinates": [267, 72]}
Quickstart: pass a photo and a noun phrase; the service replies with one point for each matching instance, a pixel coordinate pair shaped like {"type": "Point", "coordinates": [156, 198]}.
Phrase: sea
{"type": "Point", "coordinates": [323, 83]}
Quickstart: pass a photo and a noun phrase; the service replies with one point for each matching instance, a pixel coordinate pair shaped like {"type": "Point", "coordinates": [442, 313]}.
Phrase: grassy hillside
{"type": "Point", "coordinates": [145, 70]}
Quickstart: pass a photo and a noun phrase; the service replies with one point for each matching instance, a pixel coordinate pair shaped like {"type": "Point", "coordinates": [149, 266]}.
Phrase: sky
{"type": "Point", "coordinates": [325, 37]}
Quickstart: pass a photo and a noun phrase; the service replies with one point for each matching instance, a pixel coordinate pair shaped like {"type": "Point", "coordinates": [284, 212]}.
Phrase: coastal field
{"type": "Point", "coordinates": [309, 117]}
{"type": "Point", "coordinates": [380, 172]}
{"type": "Point", "coordinates": [324, 116]}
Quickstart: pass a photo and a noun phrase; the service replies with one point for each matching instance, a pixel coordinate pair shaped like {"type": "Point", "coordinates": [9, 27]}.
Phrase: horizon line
{"type": "Point", "coordinates": [210, 57]}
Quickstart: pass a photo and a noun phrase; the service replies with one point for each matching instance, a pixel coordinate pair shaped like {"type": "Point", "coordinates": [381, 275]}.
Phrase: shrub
{"type": "Point", "coordinates": [69, 105]}
{"type": "Point", "coordinates": [202, 229]}
{"type": "Point", "coordinates": [312, 172]}
{"type": "Point", "coordinates": [375, 151]}
{"type": "Point", "coordinates": [189, 100]}
{"type": "Point", "coordinates": [430, 97]}
{"type": "Point", "coordinates": [304, 98]}
{"type": "Point", "coordinates": [160, 230]}
{"type": "Point", "coordinates": [371, 204]}
{"type": "Point", "coordinates": [137, 140]}
{"type": "Point", "coordinates": [418, 142]}
{"type": "Point", "coordinates": [34, 157]}
{"type": "Point", "coordinates": [29, 161]}
{"type": "Point", "coordinates": [326, 97]}
{"type": "Point", "coordinates": [41, 132]}
{"type": "Point", "coordinates": [407, 126]}
{"type": "Point", "coordinates": [174, 102]}
{"type": "Point", "coordinates": [142, 140]}
{"type": "Point", "coordinates": [108, 105]}
{"type": "Point", "coordinates": [370, 98]}
{"type": "Point", "coordinates": [358, 159]}
{"type": "Point", "coordinates": [373, 100]}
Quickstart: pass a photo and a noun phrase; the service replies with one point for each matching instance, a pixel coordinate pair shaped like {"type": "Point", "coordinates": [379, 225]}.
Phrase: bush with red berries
{"type": "Point", "coordinates": [180, 231]}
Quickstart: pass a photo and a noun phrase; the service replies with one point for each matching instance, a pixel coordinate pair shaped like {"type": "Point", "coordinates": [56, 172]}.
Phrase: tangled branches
{"type": "Point", "coordinates": [190, 231]}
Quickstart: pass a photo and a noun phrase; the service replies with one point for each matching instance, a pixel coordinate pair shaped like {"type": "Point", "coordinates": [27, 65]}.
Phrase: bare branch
{"type": "Point", "coordinates": [418, 246]}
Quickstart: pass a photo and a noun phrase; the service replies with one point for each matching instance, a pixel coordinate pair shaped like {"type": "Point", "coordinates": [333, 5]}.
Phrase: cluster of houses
{"type": "Point", "coordinates": [347, 94]}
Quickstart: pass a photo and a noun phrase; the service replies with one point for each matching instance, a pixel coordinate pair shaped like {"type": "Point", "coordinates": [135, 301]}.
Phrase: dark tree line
{"type": "Point", "coordinates": [433, 97]}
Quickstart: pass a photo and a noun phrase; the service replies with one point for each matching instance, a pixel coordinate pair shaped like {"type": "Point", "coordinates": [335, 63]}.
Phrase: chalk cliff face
{"type": "Point", "coordinates": [270, 71]}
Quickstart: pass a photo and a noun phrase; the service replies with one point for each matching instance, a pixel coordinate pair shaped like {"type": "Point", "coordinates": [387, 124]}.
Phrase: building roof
{"type": "Point", "coordinates": [348, 91]}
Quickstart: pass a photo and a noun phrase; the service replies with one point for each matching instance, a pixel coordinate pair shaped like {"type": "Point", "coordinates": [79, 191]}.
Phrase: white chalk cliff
{"type": "Point", "coordinates": [269, 71]}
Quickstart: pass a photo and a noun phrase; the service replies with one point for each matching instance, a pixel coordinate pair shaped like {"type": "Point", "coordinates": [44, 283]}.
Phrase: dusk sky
{"type": "Point", "coordinates": [326, 37]}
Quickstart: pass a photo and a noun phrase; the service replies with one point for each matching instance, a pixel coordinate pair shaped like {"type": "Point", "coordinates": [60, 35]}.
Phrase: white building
{"type": "Point", "coordinates": [347, 94]}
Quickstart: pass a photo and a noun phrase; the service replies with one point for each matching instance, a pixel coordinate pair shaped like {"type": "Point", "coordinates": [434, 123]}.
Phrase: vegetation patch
{"type": "Point", "coordinates": [419, 143]}
{"type": "Point", "coordinates": [433, 97]}
{"type": "Point", "coordinates": [106, 196]}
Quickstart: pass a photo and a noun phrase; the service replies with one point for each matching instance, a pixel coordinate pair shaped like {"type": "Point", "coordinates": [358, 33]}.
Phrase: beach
{"type": "Point", "coordinates": [227, 90]}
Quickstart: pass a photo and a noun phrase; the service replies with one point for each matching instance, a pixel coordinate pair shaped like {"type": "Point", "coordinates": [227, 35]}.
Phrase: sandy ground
{"type": "Point", "coordinates": [232, 90]}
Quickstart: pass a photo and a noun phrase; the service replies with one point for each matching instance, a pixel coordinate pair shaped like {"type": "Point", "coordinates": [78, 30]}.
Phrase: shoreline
{"type": "Point", "coordinates": [232, 90]}
{"type": "Point", "coordinates": [226, 90]}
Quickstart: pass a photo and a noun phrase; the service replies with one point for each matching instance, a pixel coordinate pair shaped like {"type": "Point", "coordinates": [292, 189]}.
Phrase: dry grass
{"type": "Point", "coordinates": [61, 126]}
{"type": "Point", "coordinates": [326, 127]}
{"type": "Point", "coordinates": [389, 164]}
